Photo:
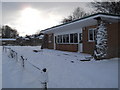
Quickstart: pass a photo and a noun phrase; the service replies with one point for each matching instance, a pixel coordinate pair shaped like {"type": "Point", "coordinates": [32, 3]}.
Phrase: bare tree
{"type": "Point", "coordinates": [111, 7]}
{"type": "Point", "coordinates": [8, 32]}
{"type": "Point", "coordinates": [68, 19]}
{"type": "Point", "coordinates": [77, 14]}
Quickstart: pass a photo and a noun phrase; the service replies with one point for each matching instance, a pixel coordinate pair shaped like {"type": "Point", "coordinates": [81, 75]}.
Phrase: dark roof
{"type": "Point", "coordinates": [81, 19]}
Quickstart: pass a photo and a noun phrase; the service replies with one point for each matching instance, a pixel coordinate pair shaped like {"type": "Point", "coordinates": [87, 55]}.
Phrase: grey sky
{"type": "Point", "coordinates": [0, 13]}
{"type": "Point", "coordinates": [50, 12]}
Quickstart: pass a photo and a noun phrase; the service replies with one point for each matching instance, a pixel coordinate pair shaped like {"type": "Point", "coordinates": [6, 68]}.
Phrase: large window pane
{"type": "Point", "coordinates": [75, 38]}
{"type": "Point", "coordinates": [55, 39]}
{"type": "Point", "coordinates": [92, 34]}
{"type": "Point", "coordinates": [64, 39]}
{"type": "Point", "coordinates": [80, 37]}
{"type": "Point", "coordinates": [67, 38]}
{"type": "Point", "coordinates": [95, 34]}
{"type": "Point", "coordinates": [71, 38]}
{"type": "Point", "coordinates": [60, 38]}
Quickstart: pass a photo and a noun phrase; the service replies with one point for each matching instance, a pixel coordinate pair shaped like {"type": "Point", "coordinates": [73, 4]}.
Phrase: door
{"type": "Point", "coordinates": [80, 43]}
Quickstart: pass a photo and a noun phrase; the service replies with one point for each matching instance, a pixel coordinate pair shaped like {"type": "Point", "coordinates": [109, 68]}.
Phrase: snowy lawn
{"type": "Point", "coordinates": [0, 67]}
{"type": "Point", "coordinates": [65, 70]}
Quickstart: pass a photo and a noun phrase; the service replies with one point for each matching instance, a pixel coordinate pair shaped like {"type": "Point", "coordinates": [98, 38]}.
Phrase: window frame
{"type": "Point", "coordinates": [93, 33]}
{"type": "Point", "coordinates": [67, 38]}
{"type": "Point", "coordinates": [80, 40]}
{"type": "Point", "coordinates": [74, 34]}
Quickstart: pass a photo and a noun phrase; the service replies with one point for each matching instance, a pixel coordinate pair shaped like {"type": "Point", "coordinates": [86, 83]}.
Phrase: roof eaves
{"type": "Point", "coordinates": [81, 19]}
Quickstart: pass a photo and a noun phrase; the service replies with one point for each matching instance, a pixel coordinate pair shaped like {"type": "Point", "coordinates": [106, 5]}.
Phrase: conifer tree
{"type": "Point", "coordinates": [100, 51]}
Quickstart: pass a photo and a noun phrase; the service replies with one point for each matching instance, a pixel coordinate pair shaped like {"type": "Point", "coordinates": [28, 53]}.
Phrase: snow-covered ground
{"type": "Point", "coordinates": [0, 67]}
{"type": "Point", "coordinates": [62, 73]}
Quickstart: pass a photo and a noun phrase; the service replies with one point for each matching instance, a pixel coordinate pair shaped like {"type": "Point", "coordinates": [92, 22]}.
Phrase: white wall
{"type": "Point", "coordinates": [68, 31]}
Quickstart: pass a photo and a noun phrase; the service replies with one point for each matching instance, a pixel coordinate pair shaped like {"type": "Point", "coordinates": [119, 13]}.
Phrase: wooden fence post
{"type": "Point", "coordinates": [44, 79]}
{"type": "Point", "coordinates": [16, 57]}
{"type": "Point", "coordinates": [22, 61]}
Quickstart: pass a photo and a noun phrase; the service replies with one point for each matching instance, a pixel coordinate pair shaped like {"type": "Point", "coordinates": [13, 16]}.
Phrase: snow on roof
{"type": "Point", "coordinates": [26, 38]}
{"type": "Point", "coordinates": [40, 37]}
{"type": "Point", "coordinates": [32, 37]}
{"type": "Point", "coordinates": [86, 21]}
{"type": "Point", "coordinates": [7, 39]}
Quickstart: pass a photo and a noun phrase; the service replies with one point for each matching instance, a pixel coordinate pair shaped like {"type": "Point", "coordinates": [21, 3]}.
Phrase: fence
{"type": "Point", "coordinates": [20, 58]}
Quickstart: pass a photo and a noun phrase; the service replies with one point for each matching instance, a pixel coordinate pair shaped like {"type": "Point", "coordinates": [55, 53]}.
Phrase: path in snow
{"type": "Point", "coordinates": [62, 72]}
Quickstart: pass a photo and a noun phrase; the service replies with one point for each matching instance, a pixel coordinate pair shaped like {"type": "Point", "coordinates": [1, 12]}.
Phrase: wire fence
{"type": "Point", "coordinates": [20, 58]}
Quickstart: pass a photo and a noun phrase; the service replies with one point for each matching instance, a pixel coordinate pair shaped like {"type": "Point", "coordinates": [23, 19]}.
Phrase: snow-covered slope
{"type": "Point", "coordinates": [65, 70]}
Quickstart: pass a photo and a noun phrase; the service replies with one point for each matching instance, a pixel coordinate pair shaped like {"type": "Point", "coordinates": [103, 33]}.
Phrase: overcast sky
{"type": "Point", "coordinates": [29, 17]}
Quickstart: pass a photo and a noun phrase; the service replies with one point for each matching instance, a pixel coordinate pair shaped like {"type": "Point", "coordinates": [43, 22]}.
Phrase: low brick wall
{"type": "Point", "coordinates": [67, 47]}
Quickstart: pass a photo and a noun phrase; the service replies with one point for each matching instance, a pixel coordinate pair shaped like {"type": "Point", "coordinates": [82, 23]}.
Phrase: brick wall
{"type": "Point", "coordinates": [113, 43]}
{"type": "Point", "coordinates": [67, 47]}
{"type": "Point", "coordinates": [45, 41]}
{"type": "Point", "coordinates": [88, 47]}
{"type": "Point", "coordinates": [113, 33]}
{"type": "Point", "coordinates": [48, 41]}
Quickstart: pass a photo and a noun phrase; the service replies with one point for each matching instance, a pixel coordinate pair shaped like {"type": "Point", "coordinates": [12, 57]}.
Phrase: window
{"type": "Point", "coordinates": [55, 39]}
{"type": "Point", "coordinates": [95, 34]}
{"type": "Point", "coordinates": [67, 38]}
{"type": "Point", "coordinates": [74, 38]}
{"type": "Point", "coordinates": [60, 38]}
{"type": "Point", "coordinates": [64, 39]}
{"type": "Point", "coordinates": [80, 37]}
{"type": "Point", "coordinates": [91, 34]}
{"type": "Point", "coordinates": [71, 38]}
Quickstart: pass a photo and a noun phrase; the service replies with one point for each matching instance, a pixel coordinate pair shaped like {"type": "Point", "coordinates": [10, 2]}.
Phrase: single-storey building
{"type": "Point", "coordinates": [79, 35]}
{"type": "Point", "coordinates": [7, 41]}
